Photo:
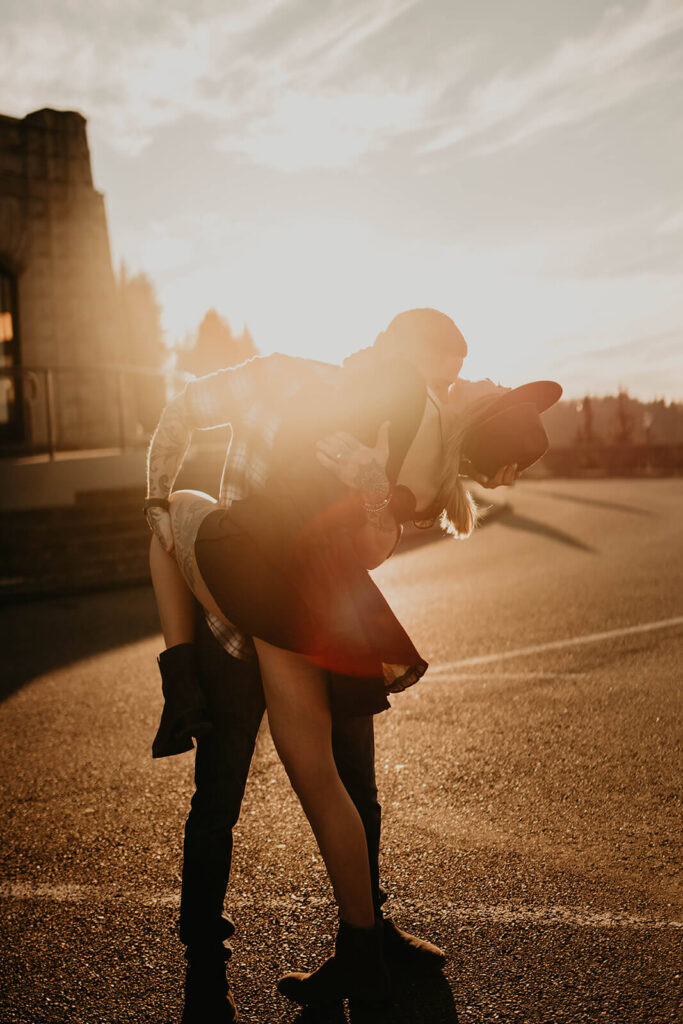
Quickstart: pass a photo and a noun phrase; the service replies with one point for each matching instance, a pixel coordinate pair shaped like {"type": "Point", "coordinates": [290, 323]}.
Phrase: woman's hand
{"type": "Point", "coordinates": [505, 476]}
{"type": "Point", "coordinates": [159, 522]}
{"type": "Point", "coordinates": [359, 467]}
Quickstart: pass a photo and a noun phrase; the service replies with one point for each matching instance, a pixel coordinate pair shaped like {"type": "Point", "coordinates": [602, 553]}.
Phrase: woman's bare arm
{"type": "Point", "coordinates": [206, 402]}
{"type": "Point", "coordinates": [167, 449]}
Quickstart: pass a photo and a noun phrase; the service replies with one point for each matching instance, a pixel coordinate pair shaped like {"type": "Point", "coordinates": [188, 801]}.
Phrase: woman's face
{"type": "Point", "coordinates": [463, 393]}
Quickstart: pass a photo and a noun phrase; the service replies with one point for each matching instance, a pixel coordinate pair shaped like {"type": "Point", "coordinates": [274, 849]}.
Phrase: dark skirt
{"type": "Point", "coordinates": [292, 578]}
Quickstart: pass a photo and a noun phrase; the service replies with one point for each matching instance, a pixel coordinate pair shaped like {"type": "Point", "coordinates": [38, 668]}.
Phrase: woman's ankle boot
{"type": "Point", "coordinates": [185, 713]}
{"type": "Point", "coordinates": [356, 970]}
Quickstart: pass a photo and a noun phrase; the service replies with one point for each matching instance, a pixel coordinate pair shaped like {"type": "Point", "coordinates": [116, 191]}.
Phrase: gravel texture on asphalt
{"type": "Point", "coordinates": [531, 806]}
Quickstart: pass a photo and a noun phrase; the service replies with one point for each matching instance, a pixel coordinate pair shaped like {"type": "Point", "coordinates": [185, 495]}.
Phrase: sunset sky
{"type": "Point", "coordinates": [313, 167]}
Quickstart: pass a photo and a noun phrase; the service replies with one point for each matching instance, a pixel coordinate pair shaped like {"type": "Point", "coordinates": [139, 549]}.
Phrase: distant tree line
{"type": "Point", "coordinates": [615, 419]}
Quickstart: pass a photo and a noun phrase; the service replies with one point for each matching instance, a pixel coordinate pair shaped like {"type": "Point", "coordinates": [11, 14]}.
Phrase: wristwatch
{"type": "Point", "coordinates": [155, 503]}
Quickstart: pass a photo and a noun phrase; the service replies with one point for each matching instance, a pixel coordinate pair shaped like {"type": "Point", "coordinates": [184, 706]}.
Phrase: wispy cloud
{"type": "Point", "coordinates": [538, 253]}
{"type": "Point", "coordinates": [305, 112]}
{"type": "Point", "coordinates": [285, 84]}
{"type": "Point", "coordinates": [645, 241]}
{"type": "Point", "coordinates": [268, 75]}
{"type": "Point", "coordinates": [583, 77]}
{"type": "Point", "coordinates": [305, 130]}
{"type": "Point", "coordinates": [664, 347]}
{"type": "Point", "coordinates": [128, 84]}
{"type": "Point", "coordinates": [646, 365]}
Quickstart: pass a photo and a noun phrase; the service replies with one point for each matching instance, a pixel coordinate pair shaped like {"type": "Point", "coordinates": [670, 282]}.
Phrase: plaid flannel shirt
{"type": "Point", "coordinates": [252, 399]}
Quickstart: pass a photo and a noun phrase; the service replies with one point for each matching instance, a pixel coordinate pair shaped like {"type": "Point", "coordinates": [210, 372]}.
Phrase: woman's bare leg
{"type": "Point", "coordinates": [300, 724]}
{"type": "Point", "coordinates": [185, 712]}
{"type": "Point", "coordinates": [175, 576]}
{"type": "Point", "coordinates": [173, 596]}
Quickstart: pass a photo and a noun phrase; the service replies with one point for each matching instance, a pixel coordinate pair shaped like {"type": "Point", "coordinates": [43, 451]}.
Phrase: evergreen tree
{"type": "Point", "coordinates": [216, 346]}
{"type": "Point", "coordinates": [142, 344]}
{"type": "Point", "coordinates": [143, 339]}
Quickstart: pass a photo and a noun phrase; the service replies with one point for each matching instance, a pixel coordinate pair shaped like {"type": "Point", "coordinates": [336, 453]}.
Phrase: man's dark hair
{"type": "Point", "coordinates": [417, 329]}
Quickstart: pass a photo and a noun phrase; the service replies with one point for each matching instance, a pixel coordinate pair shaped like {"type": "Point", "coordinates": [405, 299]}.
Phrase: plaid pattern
{"type": "Point", "coordinates": [251, 399]}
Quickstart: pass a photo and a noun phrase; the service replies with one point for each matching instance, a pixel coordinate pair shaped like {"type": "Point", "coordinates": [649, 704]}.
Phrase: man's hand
{"type": "Point", "coordinates": [505, 476]}
{"type": "Point", "coordinates": [359, 467]}
{"type": "Point", "coordinates": [160, 524]}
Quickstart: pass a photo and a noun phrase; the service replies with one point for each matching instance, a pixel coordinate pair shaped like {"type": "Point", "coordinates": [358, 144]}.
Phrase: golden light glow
{"type": "Point", "coordinates": [323, 289]}
{"type": "Point", "coordinates": [6, 327]}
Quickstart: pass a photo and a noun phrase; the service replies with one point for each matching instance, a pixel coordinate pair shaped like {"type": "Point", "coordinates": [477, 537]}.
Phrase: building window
{"type": "Point", "coordinates": [10, 385]}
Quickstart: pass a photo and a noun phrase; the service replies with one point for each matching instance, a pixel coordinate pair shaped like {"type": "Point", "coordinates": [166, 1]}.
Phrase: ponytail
{"type": "Point", "coordinates": [459, 511]}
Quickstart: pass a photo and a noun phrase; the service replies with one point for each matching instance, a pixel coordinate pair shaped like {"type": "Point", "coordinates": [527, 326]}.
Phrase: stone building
{"type": "Point", "coordinates": [59, 314]}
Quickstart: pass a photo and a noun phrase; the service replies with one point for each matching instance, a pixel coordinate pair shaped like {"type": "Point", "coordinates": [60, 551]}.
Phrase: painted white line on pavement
{"type": "Point", "coordinates": [73, 893]}
{"type": "Point", "coordinates": [556, 645]}
{"type": "Point", "coordinates": [505, 913]}
{"type": "Point", "coordinates": [513, 675]}
{"type": "Point", "coordinates": [519, 913]}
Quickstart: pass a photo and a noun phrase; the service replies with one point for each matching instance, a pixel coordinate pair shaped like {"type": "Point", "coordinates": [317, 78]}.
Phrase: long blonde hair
{"type": "Point", "coordinates": [459, 511]}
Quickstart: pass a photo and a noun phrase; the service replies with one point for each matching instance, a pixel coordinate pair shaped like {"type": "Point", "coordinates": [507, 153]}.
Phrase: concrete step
{"type": "Point", "coordinates": [69, 558]}
{"type": "Point", "coordinates": [101, 540]}
{"type": "Point", "coordinates": [71, 516]}
{"type": "Point", "coordinates": [69, 536]}
{"type": "Point", "coordinates": [88, 578]}
{"type": "Point", "coordinates": [76, 515]}
{"type": "Point", "coordinates": [13, 531]}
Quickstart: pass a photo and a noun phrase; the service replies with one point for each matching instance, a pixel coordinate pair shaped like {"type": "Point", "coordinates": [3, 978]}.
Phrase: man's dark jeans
{"type": "Point", "coordinates": [236, 705]}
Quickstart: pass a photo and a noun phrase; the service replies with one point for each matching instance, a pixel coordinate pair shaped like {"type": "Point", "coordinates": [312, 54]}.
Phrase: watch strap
{"type": "Point", "coordinates": [155, 503]}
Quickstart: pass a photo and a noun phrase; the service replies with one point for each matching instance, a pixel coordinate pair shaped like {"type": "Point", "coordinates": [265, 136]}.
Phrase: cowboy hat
{"type": "Point", "coordinates": [506, 428]}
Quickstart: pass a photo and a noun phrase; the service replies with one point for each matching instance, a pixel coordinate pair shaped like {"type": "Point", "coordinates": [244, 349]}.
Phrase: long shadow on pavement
{"type": "Point", "coordinates": [517, 522]}
{"type": "Point", "coordinates": [422, 997]}
{"type": "Point", "coordinates": [44, 635]}
{"type": "Point", "coordinates": [413, 537]}
{"type": "Point", "coordinates": [41, 635]}
{"type": "Point", "coordinates": [612, 506]}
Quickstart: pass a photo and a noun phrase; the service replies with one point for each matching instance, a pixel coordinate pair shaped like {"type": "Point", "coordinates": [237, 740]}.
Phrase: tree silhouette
{"type": "Point", "coordinates": [142, 344]}
{"type": "Point", "coordinates": [586, 433]}
{"type": "Point", "coordinates": [624, 419]}
{"type": "Point", "coordinates": [216, 347]}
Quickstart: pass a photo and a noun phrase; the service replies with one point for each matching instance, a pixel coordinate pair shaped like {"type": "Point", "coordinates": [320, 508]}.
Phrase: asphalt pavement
{"type": "Point", "coordinates": [530, 786]}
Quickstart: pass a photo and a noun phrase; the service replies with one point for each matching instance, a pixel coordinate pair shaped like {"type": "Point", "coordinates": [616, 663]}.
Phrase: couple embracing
{"type": "Point", "coordinates": [266, 602]}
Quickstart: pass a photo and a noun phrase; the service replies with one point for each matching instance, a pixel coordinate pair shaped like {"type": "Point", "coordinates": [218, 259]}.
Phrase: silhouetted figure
{"type": "Point", "coordinates": [310, 500]}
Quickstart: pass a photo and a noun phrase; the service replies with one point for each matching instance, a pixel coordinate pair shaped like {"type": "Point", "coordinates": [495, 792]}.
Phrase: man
{"type": "Point", "coordinates": [231, 684]}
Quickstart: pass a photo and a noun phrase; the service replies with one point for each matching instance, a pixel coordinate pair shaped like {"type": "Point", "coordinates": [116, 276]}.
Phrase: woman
{"type": "Point", "coordinates": [351, 461]}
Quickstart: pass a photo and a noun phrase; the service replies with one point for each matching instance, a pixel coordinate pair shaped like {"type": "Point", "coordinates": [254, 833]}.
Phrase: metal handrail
{"type": "Point", "coordinates": [31, 375]}
{"type": "Point", "coordinates": [147, 371]}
